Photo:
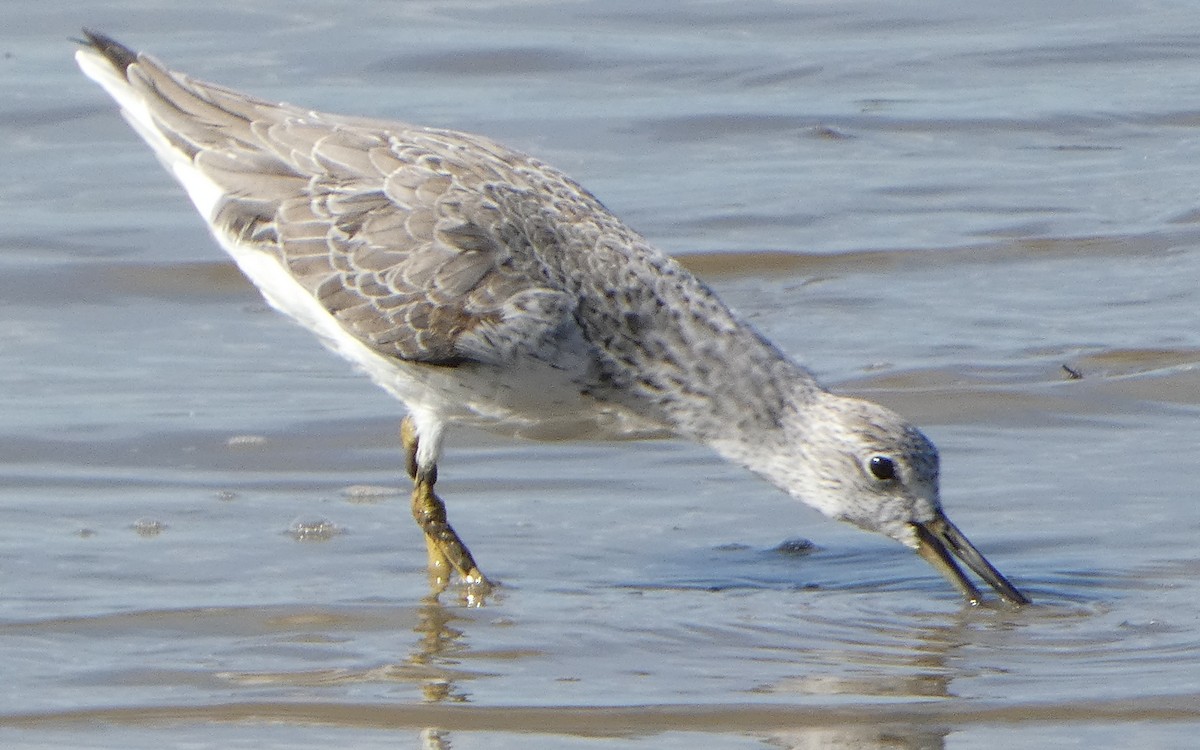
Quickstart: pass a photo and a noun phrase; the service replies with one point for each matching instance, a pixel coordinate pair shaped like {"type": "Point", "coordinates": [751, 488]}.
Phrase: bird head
{"type": "Point", "coordinates": [859, 462]}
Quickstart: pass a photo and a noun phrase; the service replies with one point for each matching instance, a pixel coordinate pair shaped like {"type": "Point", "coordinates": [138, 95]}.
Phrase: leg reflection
{"type": "Point", "coordinates": [435, 653]}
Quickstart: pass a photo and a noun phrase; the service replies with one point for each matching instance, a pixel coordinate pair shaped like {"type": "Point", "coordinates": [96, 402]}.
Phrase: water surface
{"type": "Point", "coordinates": [206, 536]}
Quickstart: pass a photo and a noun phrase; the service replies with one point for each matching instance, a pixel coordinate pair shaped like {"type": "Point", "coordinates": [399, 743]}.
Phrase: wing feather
{"type": "Point", "coordinates": [413, 239]}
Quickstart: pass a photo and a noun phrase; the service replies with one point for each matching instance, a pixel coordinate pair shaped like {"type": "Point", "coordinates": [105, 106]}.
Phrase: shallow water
{"type": "Point", "coordinates": [206, 537]}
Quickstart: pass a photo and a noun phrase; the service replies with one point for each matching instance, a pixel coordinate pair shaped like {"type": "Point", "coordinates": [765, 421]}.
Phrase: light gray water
{"type": "Point", "coordinates": [934, 204]}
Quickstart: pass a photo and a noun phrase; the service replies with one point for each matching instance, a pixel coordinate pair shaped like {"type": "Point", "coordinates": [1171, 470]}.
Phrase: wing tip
{"type": "Point", "coordinates": [117, 54]}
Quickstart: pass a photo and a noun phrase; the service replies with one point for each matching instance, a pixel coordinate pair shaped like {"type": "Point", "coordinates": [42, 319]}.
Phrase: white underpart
{"type": "Point", "coordinates": [277, 285]}
{"type": "Point", "coordinates": [203, 192]}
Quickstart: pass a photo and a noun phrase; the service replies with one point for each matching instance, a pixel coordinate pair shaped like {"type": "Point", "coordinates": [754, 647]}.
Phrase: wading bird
{"type": "Point", "coordinates": [481, 286]}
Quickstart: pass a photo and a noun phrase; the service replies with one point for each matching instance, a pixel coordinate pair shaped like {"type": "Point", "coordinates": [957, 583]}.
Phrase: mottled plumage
{"type": "Point", "coordinates": [480, 285]}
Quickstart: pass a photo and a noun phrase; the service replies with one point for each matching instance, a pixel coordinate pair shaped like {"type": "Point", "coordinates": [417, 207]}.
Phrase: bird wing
{"type": "Point", "coordinates": [423, 244]}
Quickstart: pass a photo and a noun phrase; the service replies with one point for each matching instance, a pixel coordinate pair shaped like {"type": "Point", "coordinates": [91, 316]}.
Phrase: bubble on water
{"type": "Point", "coordinates": [245, 441]}
{"type": "Point", "coordinates": [732, 547]}
{"type": "Point", "coordinates": [313, 529]}
{"type": "Point", "coordinates": [796, 547]}
{"type": "Point", "coordinates": [148, 527]}
{"type": "Point", "coordinates": [370, 493]}
{"type": "Point", "coordinates": [827, 133]}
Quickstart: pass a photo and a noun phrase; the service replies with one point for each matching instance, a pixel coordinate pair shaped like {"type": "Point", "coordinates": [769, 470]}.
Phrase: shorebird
{"type": "Point", "coordinates": [481, 286]}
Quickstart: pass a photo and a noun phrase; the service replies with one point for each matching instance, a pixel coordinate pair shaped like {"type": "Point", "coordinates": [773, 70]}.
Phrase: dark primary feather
{"type": "Point", "coordinates": [118, 54]}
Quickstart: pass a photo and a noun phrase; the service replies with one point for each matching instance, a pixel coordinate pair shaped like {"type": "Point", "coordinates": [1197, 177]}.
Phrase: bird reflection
{"type": "Point", "coordinates": [438, 644]}
{"type": "Point", "coordinates": [436, 647]}
{"type": "Point", "coordinates": [435, 739]}
{"type": "Point", "coordinates": [898, 737]}
{"type": "Point", "coordinates": [899, 679]}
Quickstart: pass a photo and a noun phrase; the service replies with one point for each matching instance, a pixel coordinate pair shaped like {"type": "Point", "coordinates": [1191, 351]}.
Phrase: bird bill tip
{"type": "Point", "coordinates": [939, 542]}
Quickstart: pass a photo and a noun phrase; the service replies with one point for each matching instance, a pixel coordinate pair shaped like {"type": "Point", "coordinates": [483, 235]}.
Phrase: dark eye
{"type": "Point", "coordinates": [882, 468]}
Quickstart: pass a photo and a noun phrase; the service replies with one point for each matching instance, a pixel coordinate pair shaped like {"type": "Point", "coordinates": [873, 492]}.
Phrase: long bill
{"type": "Point", "coordinates": [939, 542]}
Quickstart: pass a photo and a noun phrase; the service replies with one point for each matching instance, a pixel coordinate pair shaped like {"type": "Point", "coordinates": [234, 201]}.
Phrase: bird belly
{"type": "Point", "coordinates": [527, 398]}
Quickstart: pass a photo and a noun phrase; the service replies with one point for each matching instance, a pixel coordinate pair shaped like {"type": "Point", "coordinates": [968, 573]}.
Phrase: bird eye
{"type": "Point", "coordinates": [882, 468]}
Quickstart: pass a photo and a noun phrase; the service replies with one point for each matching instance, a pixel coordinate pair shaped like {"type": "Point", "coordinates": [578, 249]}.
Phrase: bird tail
{"type": "Point", "coordinates": [202, 133]}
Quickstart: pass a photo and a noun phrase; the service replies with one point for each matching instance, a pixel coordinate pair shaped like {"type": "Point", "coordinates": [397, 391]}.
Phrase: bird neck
{"type": "Point", "coordinates": [745, 401]}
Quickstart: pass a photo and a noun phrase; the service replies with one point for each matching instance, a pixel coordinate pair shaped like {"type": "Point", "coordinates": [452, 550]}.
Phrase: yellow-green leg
{"type": "Point", "coordinates": [447, 553]}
